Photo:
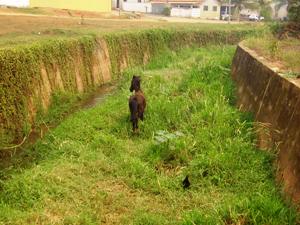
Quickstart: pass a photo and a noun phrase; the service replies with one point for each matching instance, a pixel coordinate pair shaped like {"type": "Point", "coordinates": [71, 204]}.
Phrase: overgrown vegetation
{"type": "Point", "coordinates": [23, 87]}
{"type": "Point", "coordinates": [284, 54]}
{"type": "Point", "coordinates": [281, 46]}
{"type": "Point", "coordinates": [167, 11]}
{"type": "Point", "coordinates": [92, 170]}
{"type": "Point", "coordinates": [135, 48]}
{"type": "Point", "coordinates": [45, 31]}
{"type": "Point", "coordinates": [26, 91]}
{"type": "Point", "coordinates": [294, 10]}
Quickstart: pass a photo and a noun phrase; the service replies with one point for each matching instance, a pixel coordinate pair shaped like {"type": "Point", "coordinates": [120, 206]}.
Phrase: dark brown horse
{"type": "Point", "coordinates": [137, 102]}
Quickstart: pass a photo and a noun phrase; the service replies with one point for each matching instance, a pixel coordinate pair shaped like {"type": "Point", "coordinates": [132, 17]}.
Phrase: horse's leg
{"type": "Point", "coordinates": [133, 105]}
{"type": "Point", "coordinates": [136, 125]}
{"type": "Point", "coordinates": [142, 116]}
{"type": "Point", "coordinates": [141, 111]}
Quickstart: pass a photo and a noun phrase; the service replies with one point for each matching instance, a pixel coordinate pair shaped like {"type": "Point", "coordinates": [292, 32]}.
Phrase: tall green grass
{"type": "Point", "coordinates": [91, 169]}
{"type": "Point", "coordinates": [20, 67]}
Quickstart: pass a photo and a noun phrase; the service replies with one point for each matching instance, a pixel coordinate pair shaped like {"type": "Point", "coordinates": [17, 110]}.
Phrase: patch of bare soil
{"type": "Point", "coordinates": [62, 12]}
{"type": "Point", "coordinates": [273, 62]}
{"type": "Point", "coordinates": [26, 24]}
{"type": "Point", "coordinates": [279, 66]}
{"type": "Point", "coordinates": [291, 29]}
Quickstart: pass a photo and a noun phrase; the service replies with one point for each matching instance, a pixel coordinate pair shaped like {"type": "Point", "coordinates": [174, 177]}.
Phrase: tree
{"type": "Point", "coordinates": [241, 4]}
{"type": "Point", "coordinates": [294, 10]}
{"type": "Point", "coordinates": [265, 8]}
{"type": "Point", "coordinates": [278, 5]}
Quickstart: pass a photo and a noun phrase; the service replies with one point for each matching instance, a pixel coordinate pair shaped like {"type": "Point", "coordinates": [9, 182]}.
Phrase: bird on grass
{"type": "Point", "coordinates": [205, 173]}
{"type": "Point", "coordinates": [186, 183]}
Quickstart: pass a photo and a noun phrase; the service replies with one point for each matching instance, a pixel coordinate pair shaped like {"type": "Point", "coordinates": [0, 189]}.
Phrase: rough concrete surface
{"type": "Point", "coordinates": [275, 104]}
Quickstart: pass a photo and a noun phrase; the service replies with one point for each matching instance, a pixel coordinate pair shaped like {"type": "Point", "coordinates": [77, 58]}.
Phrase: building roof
{"type": "Point", "coordinates": [178, 1]}
{"type": "Point", "coordinates": [195, 2]}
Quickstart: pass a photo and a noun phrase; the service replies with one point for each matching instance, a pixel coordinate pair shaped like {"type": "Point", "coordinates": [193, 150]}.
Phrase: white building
{"type": "Point", "coordinates": [15, 3]}
{"type": "Point", "coordinates": [133, 5]}
{"type": "Point", "coordinates": [207, 9]}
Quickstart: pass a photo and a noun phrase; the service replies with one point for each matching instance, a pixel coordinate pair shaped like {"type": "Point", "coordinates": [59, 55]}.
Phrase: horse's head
{"type": "Point", "coordinates": [135, 83]}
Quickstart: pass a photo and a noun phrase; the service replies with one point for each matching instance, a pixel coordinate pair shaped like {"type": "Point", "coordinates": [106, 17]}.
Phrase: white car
{"type": "Point", "coordinates": [255, 18]}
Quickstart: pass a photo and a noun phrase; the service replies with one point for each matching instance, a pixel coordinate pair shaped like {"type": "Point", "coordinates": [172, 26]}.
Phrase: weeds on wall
{"type": "Point", "coordinates": [25, 92]}
{"type": "Point", "coordinates": [23, 88]}
{"type": "Point", "coordinates": [136, 48]}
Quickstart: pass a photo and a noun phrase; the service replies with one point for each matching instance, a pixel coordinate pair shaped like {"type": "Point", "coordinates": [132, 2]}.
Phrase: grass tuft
{"type": "Point", "coordinates": [91, 169]}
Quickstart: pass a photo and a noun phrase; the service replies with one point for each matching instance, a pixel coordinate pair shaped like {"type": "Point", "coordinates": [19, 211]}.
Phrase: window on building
{"type": "Point", "coordinates": [205, 8]}
{"type": "Point", "coordinates": [215, 8]}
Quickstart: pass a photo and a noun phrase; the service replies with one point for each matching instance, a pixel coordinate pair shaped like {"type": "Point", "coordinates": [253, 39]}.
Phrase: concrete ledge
{"type": "Point", "coordinates": [275, 103]}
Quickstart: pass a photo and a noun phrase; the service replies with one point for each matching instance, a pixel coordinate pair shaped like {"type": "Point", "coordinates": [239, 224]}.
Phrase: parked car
{"type": "Point", "coordinates": [254, 17]}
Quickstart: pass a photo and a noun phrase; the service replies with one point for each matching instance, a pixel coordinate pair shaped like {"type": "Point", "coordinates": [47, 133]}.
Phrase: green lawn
{"type": "Point", "coordinates": [91, 169]}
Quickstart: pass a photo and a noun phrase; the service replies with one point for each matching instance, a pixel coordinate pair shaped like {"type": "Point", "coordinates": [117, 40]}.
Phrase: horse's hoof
{"type": "Point", "coordinates": [136, 131]}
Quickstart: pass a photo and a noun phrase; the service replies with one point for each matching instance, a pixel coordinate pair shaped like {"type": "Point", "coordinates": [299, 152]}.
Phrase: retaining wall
{"type": "Point", "coordinates": [275, 103]}
{"type": "Point", "coordinates": [31, 75]}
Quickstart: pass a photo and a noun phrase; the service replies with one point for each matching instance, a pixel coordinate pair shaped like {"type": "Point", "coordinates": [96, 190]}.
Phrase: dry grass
{"type": "Point", "coordinates": [19, 26]}
{"type": "Point", "coordinates": [28, 24]}
{"type": "Point", "coordinates": [62, 12]}
{"type": "Point", "coordinates": [284, 54]}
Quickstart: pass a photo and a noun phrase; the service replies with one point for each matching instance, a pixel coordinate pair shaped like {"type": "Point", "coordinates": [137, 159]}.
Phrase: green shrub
{"type": "Point", "coordinates": [294, 10]}
{"type": "Point", "coordinates": [167, 11]}
{"type": "Point", "coordinates": [266, 13]}
{"type": "Point", "coordinates": [276, 27]}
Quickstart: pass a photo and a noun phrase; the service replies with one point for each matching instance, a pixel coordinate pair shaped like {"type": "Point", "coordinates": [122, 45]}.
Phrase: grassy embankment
{"type": "Point", "coordinates": [28, 30]}
{"type": "Point", "coordinates": [91, 169]}
{"type": "Point", "coordinates": [284, 54]}
{"type": "Point", "coordinates": [25, 90]}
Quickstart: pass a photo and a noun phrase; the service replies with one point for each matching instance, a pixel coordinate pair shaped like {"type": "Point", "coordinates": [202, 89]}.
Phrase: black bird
{"type": "Point", "coordinates": [186, 183]}
{"type": "Point", "coordinates": [205, 173]}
